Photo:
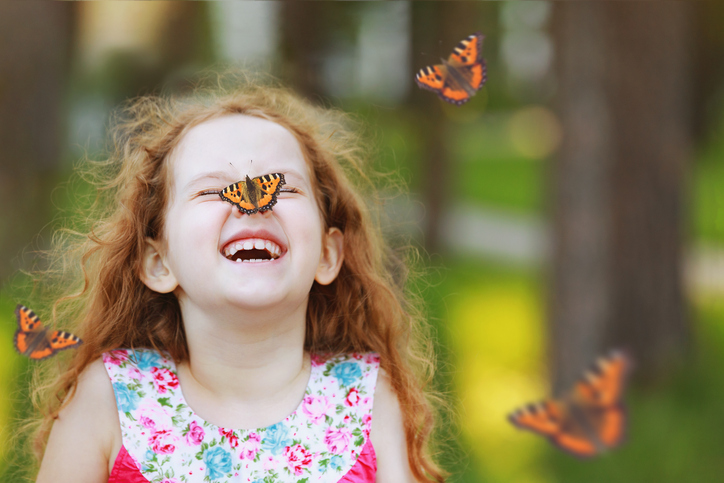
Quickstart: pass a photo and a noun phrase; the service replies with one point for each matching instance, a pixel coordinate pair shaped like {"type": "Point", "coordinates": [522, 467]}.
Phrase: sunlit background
{"type": "Point", "coordinates": [575, 204]}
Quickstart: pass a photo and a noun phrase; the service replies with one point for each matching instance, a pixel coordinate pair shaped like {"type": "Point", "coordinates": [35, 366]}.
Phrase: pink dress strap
{"type": "Point", "coordinates": [365, 469]}
{"type": "Point", "coordinates": [125, 469]}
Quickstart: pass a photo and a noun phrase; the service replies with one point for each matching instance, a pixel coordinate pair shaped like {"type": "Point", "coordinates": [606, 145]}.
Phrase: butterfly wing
{"type": "Point", "coordinates": [31, 338]}
{"type": "Point", "coordinates": [469, 52]}
{"type": "Point", "coordinates": [467, 68]}
{"type": "Point", "coordinates": [268, 189]}
{"type": "Point", "coordinates": [432, 78]}
{"type": "Point", "coordinates": [599, 396]}
{"type": "Point", "coordinates": [232, 193]}
{"type": "Point", "coordinates": [552, 419]}
{"type": "Point", "coordinates": [61, 340]}
{"type": "Point", "coordinates": [30, 333]}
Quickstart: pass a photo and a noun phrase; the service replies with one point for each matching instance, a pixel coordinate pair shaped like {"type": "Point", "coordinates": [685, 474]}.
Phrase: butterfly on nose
{"type": "Point", "coordinates": [252, 195]}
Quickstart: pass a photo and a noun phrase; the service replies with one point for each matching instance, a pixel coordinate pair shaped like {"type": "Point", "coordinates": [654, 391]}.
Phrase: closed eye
{"type": "Point", "coordinates": [208, 192]}
{"type": "Point", "coordinates": [289, 190]}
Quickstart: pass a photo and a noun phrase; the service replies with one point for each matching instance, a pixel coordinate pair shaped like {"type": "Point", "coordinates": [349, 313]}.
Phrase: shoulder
{"type": "Point", "coordinates": [388, 434]}
{"type": "Point", "coordinates": [86, 432]}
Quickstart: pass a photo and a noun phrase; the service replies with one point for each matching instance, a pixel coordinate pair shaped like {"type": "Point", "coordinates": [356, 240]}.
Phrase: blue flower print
{"type": "Point", "coordinates": [218, 463]}
{"type": "Point", "coordinates": [276, 439]}
{"type": "Point", "coordinates": [126, 400]}
{"type": "Point", "coordinates": [347, 372]}
{"type": "Point", "coordinates": [336, 462]}
{"type": "Point", "coordinates": [145, 360]}
{"type": "Point", "coordinates": [149, 456]}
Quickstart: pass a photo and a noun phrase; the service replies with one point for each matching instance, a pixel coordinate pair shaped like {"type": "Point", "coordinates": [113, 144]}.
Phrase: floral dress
{"type": "Point", "coordinates": [326, 439]}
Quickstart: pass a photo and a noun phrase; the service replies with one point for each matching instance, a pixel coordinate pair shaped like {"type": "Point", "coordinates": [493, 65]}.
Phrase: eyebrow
{"type": "Point", "coordinates": [220, 175]}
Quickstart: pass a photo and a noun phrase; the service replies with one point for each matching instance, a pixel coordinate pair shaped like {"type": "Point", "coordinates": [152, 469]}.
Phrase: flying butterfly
{"type": "Point", "coordinates": [34, 340]}
{"type": "Point", "coordinates": [253, 195]}
{"type": "Point", "coordinates": [459, 77]}
{"type": "Point", "coordinates": [591, 418]}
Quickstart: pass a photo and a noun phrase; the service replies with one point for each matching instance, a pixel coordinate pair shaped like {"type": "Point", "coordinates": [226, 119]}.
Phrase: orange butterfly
{"type": "Point", "coordinates": [33, 339]}
{"type": "Point", "coordinates": [591, 418]}
{"type": "Point", "coordinates": [459, 77]}
{"type": "Point", "coordinates": [252, 195]}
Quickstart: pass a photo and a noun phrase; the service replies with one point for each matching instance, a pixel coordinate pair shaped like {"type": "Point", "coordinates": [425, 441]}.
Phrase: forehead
{"type": "Point", "coordinates": [237, 145]}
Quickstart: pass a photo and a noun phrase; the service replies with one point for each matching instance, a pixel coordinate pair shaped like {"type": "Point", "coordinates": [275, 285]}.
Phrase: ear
{"type": "Point", "coordinates": [155, 272]}
{"type": "Point", "coordinates": [332, 256]}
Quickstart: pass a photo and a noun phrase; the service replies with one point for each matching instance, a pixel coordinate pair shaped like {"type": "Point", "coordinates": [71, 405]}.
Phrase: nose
{"type": "Point", "coordinates": [238, 213]}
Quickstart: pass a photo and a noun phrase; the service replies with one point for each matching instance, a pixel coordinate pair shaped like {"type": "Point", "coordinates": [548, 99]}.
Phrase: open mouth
{"type": "Point", "coordinates": [252, 250]}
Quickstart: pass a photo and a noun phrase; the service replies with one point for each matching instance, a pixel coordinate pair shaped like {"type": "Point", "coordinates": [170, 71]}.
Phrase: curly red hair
{"type": "Point", "coordinates": [103, 300]}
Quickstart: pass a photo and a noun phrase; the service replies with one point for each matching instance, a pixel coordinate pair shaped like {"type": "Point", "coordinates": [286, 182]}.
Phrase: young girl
{"type": "Point", "coordinates": [221, 346]}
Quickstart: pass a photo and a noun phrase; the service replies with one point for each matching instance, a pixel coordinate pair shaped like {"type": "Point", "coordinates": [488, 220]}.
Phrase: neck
{"type": "Point", "coordinates": [245, 356]}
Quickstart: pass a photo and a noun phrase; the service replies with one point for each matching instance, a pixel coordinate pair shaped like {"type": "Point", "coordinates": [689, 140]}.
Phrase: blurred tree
{"type": "Point", "coordinates": [183, 46]}
{"type": "Point", "coordinates": [34, 58]}
{"type": "Point", "coordinates": [618, 198]}
{"type": "Point", "coordinates": [310, 33]}
{"type": "Point", "coordinates": [301, 26]}
{"type": "Point", "coordinates": [709, 68]}
{"type": "Point", "coordinates": [437, 28]}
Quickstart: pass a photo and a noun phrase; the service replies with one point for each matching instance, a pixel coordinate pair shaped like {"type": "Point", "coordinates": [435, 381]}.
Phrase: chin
{"type": "Point", "coordinates": [259, 299]}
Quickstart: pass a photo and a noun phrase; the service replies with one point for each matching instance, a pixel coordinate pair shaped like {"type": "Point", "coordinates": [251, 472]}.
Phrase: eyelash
{"type": "Point", "coordinates": [216, 192]}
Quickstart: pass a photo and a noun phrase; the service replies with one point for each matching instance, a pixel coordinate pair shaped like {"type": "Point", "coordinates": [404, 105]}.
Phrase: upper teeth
{"type": "Point", "coordinates": [253, 243]}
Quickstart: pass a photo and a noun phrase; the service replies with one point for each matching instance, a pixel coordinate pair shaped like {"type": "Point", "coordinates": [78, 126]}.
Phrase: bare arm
{"type": "Point", "coordinates": [86, 434]}
{"type": "Point", "coordinates": [388, 435]}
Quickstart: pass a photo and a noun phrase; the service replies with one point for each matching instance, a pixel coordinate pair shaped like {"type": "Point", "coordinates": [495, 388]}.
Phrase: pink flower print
{"type": "Point", "coordinates": [115, 357]}
{"type": "Point", "coordinates": [161, 441]}
{"type": "Point", "coordinates": [337, 440]}
{"type": "Point", "coordinates": [135, 374]}
{"type": "Point", "coordinates": [250, 447]}
{"type": "Point", "coordinates": [367, 420]}
{"type": "Point", "coordinates": [365, 404]}
{"type": "Point", "coordinates": [151, 409]}
{"type": "Point", "coordinates": [357, 356]}
{"type": "Point", "coordinates": [269, 463]}
{"type": "Point", "coordinates": [298, 458]}
{"type": "Point", "coordinates": [352, 398]}
{"type": "Point", "coordinates": [318, 360]}
{"type": "Point", "coordinates": [196, 434]}
{"type": "Point", "coordinates": [316, 407]}
{"type": "Point", "coordinates": [372, 358]}
{"type": "Point", "coordinates": [169, 480]}
{"type": "Point", "coordinates": [163, 379]}
{"type": "Point", "coordinates": [229, 433]}
{"type": "Point", "coordinates": [147, 422]}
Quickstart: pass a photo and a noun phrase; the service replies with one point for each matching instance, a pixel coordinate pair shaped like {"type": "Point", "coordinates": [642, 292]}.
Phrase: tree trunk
{"type": "Point", "coordinates": [580, 302]}
{"type": "Point", "coordinates": [650, 95]}
{"type": "Point", "coordinates": [34, 48]}
{"type": "Point", "coordinates": [302, 26]}
{"type": "Point", "coordinates": [437, 28]}
{"type": "Point", "coordinates": [618, 192]}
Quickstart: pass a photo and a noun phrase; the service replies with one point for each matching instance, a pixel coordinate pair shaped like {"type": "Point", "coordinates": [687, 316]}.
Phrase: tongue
{"type": "Point", "coordinates": [252, 254]}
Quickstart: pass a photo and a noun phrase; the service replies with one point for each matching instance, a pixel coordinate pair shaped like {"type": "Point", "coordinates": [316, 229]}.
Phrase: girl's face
{"type": "Point", "coordinates": [202, 231]}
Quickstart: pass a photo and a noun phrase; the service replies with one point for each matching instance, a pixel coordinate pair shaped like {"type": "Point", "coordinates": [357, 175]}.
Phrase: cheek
{"type": "Point", "coordinates": [195, 229]}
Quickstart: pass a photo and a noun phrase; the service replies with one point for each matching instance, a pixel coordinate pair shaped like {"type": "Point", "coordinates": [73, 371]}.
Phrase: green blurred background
{"type": "Point", "coordinates": [575, 204]}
